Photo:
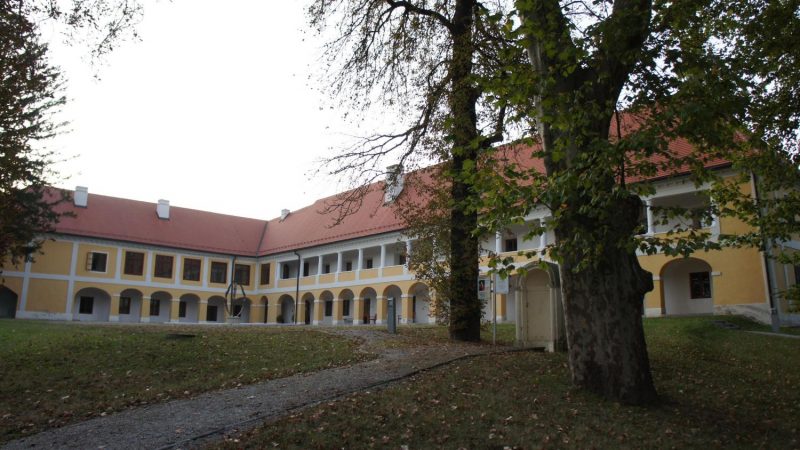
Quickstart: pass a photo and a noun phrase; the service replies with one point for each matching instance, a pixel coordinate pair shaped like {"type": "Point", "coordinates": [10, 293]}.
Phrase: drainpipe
{"type": "Point", "coordinates": [297, 289]}
{"type": "Point", "coordinates": [774, 314]}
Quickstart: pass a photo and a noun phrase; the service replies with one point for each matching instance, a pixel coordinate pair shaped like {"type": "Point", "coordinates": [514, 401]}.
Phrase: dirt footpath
{"type": "Point", "coordinates": [187, 423]}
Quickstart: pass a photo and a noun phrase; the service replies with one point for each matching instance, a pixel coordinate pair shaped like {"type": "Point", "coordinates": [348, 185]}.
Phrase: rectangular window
{"type": "Point", "coordinates": [346, 307]}
{"type": "Point", "coordinates": [182, 309]}
{"type": "Point", "coordinates": [96, 262]}
{"type": "Point", "coordinates": [163, 267]}
{"type": "Point", "coordinates": [348, 266]}
{"type": "Point", "coordinates": [285, 271]}
{"type": "Point", "coordinates": [241, 274]}
{"type": "Point", "coordinates": [86, 306]}
{"type": "Point", "coordinates": [796, 274]}
{"type": "Point", "coordinates": [264, 274]}
{"type": "Point", "coordinates": [219, 272]}
{"type": "Point", "coordinates": [134, 263]}
{"type": "Point", "coordinates": [328, 308]}
{"type": "Point", "coordinates": [327, 268]}
{"type": "Point", "coordinates": [511, 244]}
{"type": "Point", "coordinates": [306, 269]}
{"type": "Point", "coordinates": [369, 263]}
{"type": "Point", "coordinates": [700, 285]}
{"type": "Point", "coordinates": [191, 269]}
{"type": "Point", "coordinates": [155, 307]}
{"type": "Point", "coordinates": [124, 305]}
{"type": "Point", "coordinates": [211, 313]}
{"type": "Point", "coordinates": [401, 259]}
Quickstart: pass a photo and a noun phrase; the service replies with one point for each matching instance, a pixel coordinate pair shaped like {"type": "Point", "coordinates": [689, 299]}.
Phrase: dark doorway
{"type": "Point", "coordinates": [308, 312]}
{"type": "Point", "coordinates": [8, 303]}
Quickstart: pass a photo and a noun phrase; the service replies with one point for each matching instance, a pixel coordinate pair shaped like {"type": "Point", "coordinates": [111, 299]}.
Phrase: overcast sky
{"type": "Point", "coordinates": [213, 109]}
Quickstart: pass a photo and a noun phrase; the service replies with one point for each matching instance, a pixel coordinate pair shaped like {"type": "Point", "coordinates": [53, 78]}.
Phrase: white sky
{"type": "Point", "coordinates": [213, 109]}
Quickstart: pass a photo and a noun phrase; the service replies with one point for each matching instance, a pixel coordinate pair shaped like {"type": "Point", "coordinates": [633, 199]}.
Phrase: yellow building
{"type": "Point", "coordinates": [121, 260]}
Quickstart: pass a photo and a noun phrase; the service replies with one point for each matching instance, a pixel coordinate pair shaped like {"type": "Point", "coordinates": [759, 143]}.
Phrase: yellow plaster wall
{"type": "Point", "coordinates": [393, 271]}
{"type": "Point", "coordinates": [368, 274]}
{"type": "Point", "coordinates": [47, 296]}
{"type": "Point", "coordinates": [327, 278]}
{"type": "Point", "coordinates": [13, 283]}
{"type": "Point", "coordinates": [308, 281]}
{"type": "Point", "coordinates": [111, 261]}
{"type": "Point", "coordinates": [55, 258]}
{"type": "Point", "coordinates": [287, 283]}
{"type": "Point", "coordinates": [347, 276]}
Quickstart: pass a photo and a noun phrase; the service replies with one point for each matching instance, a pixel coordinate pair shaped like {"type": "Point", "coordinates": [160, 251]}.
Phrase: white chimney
{"type": "Point", "coordinates": [394, 182]}
{"type": "Point", "coordinates": [81, 197]}
{"type": "Point", "coordinates": [162, 209]}
{"type": "Point", "coordinates": [284, 214]}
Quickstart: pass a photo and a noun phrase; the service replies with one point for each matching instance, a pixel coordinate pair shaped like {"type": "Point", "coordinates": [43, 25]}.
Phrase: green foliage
{"type": "Point", "coordinates": [30, 95]}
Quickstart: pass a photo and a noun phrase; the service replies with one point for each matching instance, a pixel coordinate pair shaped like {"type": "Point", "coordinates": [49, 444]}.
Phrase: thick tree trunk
{"type": "Point", "coordinates": [603, 308]}
{"type": "Point", "coordinates": [465, 308]}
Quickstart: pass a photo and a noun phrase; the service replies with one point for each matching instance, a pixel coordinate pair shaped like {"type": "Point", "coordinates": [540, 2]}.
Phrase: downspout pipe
{"type": "Point", "coordinates": [297, 290]}
{"type": "Point", "coordinates": [772, 281]}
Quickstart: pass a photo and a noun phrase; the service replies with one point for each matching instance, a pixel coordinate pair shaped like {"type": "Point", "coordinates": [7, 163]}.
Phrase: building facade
{"type": "Point", "coordinates": [119, 260]}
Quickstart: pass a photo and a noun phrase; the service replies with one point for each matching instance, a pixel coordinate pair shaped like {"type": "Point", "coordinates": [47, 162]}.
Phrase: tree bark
{"type": "Point", "coordinates": [465, 308]}
{"type": "Point", "coordinates": [603, 308]}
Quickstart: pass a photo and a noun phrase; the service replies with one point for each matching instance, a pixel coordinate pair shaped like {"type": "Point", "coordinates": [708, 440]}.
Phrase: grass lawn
{"type": "Point", "coordinates": [719, 388]}
{"type": "Point", "coordinates": [56, 373]}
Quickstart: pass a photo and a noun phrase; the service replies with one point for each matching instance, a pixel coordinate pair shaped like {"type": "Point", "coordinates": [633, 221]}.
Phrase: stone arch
{"type": "Point", "coordinates": [8, 303]}
{"type": "Point", "coordinates": [686, 287]}
{"type": "Point", "coordinates": [346, 297]}
{"type": "Point", "coordinates": [190, 307]}
{"type": "Point", "coordinates": [420, 297]}
{"type": "Point", "coordinates": [240, 309]}
{"type": "Point", "coordinates": [286, 312]}
{"type": "Point", "coordinates": [308, 308]}
{"type": "Point", "coordinates": [393, 292]}
{"type": "Point", "coordinates": [130, 305]}
{"type": "Point", "coordinates": [160, 306]}
{"type": "Point", "coordinates": [215, 309]}
{"type": "Point", "coordinates": [369, 299]}
{"type": "Point", "coordinates": [92, 305]}
{"type": "Point", "coordinates": [265, 302]}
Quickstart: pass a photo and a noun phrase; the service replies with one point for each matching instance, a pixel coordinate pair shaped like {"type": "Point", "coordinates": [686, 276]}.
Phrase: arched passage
{"type": "Point", "coordinates": [189, 308]}
{"type": "Point", "coordinates": [394, 294]}
{"type": "Point", "coordinates": [369, 306]}
{"type": "Point", "coordinates": [686, 287]}
{"type": "Point", "coordinates": [91, 305]}
{"type": "Point", "coordinates": [540, 319]}
{"type": "Point", "coordinates": [265, 304]}
{"type": "Point", "coordinates": [346, 299]}
{"type": "Point", "coordinates": [240, 308]}
{"type": "Point", "coordinates": [286, 313]}
{"type": "Point", "coordinates": [326, 297]}
{"type": "Point", "coordinates": [419, 296]}
{"type": "Point", "coordinates": [215, 311]}
{"type": "Point", "coordinates": [130, 306]}
{"type": "Point", "coordinates": [308, 308]}
{"type": "Point", "coordinates": [160, 306]}
{"type": "Point", "coordinates": [8, 303]}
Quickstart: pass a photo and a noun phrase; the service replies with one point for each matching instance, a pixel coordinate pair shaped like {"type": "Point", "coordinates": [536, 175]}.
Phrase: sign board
{"type": "Point", "coordinates": [500, 285]}
{"type": "Point", "coordinates": [483, 288]}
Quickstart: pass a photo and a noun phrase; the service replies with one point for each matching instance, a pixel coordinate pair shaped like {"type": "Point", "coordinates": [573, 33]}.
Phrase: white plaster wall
{"type": "Point", "coordinates": [675, 280]}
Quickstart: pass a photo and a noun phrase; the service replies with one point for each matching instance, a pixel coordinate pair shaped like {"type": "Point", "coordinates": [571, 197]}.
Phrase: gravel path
{"type": "Point", "coordinates": [185, 423]}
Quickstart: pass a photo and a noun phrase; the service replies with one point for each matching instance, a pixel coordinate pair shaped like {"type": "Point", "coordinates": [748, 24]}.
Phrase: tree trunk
{"type": "Point", "coordinates": [603, 308]}
{"type": "Point", "coordinates": [465, 308]}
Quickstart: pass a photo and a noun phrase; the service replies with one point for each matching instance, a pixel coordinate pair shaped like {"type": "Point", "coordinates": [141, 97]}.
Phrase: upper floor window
{"type": "Point", "coordinates": [401, 259]}
{"type": "Point", "coordinates": [134, 263]}
{"type": "Point", "coordinates": [306, 269]}
{"type": "Point", "coordinates": [241, 274]}
{"type": "Point", "coordinates": [219, 272]}
{"type": "Point", "coordinates": [348, 266]}
{"type": "Point", "coordinates": [96, 262]}
{"type": "Point", "coordinates": [369, 263]}
{"type": "Point", "coordinates": [191, 269]}
{"type": "Point", "coordinates": [326, 268]}
{"type": "Point", "coordinates": [285, 271]}
{"type": "Point", "coordinates": [163, 267]}
{"type": "Point", "coordinates": [264, 274]}
{"type": "Point", "coordinates": [510, 244]}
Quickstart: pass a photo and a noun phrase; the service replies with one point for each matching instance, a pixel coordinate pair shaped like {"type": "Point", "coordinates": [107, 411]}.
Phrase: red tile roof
{"type": "Point", "coordinates": [135, 221]}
